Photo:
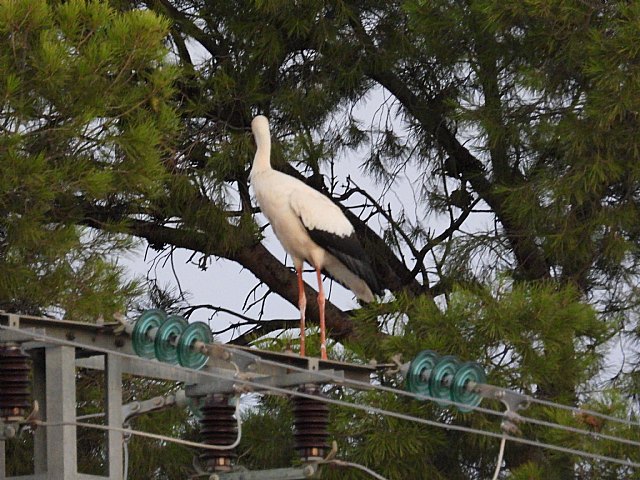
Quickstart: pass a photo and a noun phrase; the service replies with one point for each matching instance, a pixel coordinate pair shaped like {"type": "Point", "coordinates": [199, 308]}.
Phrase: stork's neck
{"type": "Point", "coordinates": [262, 160]}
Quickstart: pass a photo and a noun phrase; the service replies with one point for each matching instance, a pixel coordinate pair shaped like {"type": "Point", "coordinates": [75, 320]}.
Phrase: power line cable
{"type": "Point", "coordinates": [125, 459]}
{"type": "Point", "coordinates": [419, 396]}
{"type": "Point", "coordinates": [343, 463]}
{"type": "Point", "coordinates": [499, 460]}
{"type": "Point", "coordinates": [365, 408]}
{"type": "Point", "coordinates": [129, 431]}
{"type": "Point", "coordinates": [338, 380]}
{"type": "Point", "coordinates": [582, 411]}
{"type": "Point", "coordinates": [331, 378]}
{"type": "Point", "coordinates": [422, 396]}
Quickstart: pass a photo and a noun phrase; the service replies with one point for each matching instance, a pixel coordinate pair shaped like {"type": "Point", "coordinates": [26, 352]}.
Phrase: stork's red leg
{"type": "Point", "coordinates": [323, 340]}
{"type": "Point", "coordinates": [302, 305]}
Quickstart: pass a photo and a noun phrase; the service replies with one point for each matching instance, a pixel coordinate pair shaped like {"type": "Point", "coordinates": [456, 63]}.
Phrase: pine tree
{"type": "Point", "coordinates": [508, 113]}
{"type": "Point", "coordinates": [518, 116]}
{"type": "Point", "coordinates": [86, 122]}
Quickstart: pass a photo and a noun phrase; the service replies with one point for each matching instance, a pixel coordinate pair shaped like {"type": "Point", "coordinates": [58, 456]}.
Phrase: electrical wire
{"type": "Point", "coordinates": [125, 459]}
{"type": "Point", "coordinates": [125, 443]}
{"type": "Point", "coordinates": [343, 463]}
{"type": "Point", "coordinates": [593, 434]}
{"type": "Point", "coordinates": [351, 405]}
{"type": "Point", "coordinates": [129, 431]}
{"type": "Point", "coordinates": [582, 411]}
{"type": "Point", "coordinates": [365, 408]}
{"type": "Point", "coordinates": [500, 457]}
{"type": "Point", "coordinates": [331, 378]}
{"type": "Point", "coordinates": [422, 396]}
{"type": "Point", "coordinates": [239, 423]}
{"type": "Point", "coordinates": [90, 415]}
{"type": "Point", "coordinates": [151, 435]}
{"type": "Point", "coordinates": [476, 408]}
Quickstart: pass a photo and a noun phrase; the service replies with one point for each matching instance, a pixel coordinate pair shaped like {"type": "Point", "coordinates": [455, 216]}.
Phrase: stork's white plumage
{"type": "Point", "coordinates": [311, 228]}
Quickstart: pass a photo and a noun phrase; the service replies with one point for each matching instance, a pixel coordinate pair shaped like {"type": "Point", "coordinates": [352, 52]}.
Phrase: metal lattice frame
{"type": "Point", "coordinates": [77, 344]}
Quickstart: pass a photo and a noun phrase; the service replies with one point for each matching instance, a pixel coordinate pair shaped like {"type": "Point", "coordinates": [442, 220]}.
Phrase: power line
{"type": "Point", "coordinates": [499, 460]}
{"type": "Point", "coordinates": [582, 411]}
{"type": "Point", "coordinates": [419, 396]}
{"type": "Point", "coordinates": [130, 431]}
{"type": "Point", "coordinates": [331, 378]}
{"type": "Point", "coordinates": [422, 396]}
{"type": "Point", "coordinates": [365, 408]}
{"type": "Point", "coordinates": [343, 463]}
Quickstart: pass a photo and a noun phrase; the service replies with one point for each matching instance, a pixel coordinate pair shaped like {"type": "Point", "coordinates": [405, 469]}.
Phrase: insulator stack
{"type": "Point", "coordinates": [218, 426]}
{"type": "Point", "coordinates": [445, 379]}
{"type": "Point", "coordinates": [311, 418]}
{"type": "Point", "coordinates": [15, 367]}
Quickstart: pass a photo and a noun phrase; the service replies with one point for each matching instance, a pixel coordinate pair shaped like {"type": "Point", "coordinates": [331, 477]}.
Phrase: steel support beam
{"type": "Point", "coordinates": [38, 391]}
{"type": "Point", "coordinates": [62, 454]}
{"type": "Point", "coordinates": [3, 471]}
{"type": "Point", "coordinates": [308, 471]}
{"type": "Point", "coordinates": [113, 406]}
{"type": "Point", "coordinates": [143, 367]}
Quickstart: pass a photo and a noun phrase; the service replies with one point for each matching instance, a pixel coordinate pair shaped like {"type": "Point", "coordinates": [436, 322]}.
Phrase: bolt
{"type": "Point", "coordinates": [308, 471]}
{"type": "Point", "coordinates": [9, 431]}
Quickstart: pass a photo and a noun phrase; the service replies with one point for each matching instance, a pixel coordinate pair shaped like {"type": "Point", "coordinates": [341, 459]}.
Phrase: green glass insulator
{"type": "Point", "coordinates": [187, 356]}
{"type": "Point", "coordinates": [468, 375]}
{"type": "Point", "coordinates": [420, 371]}
{"type": "Point", "coordinates": [167, 339]}
{"type": "Point", "coordinates": [441, 378]}
{"type": "Point", "coordinates": [142, 343]}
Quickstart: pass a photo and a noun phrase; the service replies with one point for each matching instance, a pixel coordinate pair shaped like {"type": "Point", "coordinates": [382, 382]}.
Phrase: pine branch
{"type": "Point", "coordinates": [264, 327]}
{"type": "Point", "coordinates": [186, 25]}
{"type": "Point", "coordinates": [260, 327]}
{"type": "Point", "coordinates": [444, 235]}
{"type": "Point", "coordinates": [430, 114]}
{"type": "Point", "coordinates": [255, 258]}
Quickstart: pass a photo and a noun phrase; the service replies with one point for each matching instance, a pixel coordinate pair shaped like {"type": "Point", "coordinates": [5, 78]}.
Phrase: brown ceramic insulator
{"type": "Point", "coordinates": [218, 426]}
{"type": "Point", "coordinates": [311, 419]}
{"type": "Point", "coordinates": [15, 397]}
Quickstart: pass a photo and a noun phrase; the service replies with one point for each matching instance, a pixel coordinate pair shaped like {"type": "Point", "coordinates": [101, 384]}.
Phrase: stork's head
{"type": "Point", "coordinates": [260, 125]}
{"type": "Point", "coordinates": [260, 129]}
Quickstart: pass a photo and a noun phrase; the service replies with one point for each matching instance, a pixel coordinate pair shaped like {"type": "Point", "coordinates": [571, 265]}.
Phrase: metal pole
{"type": "Point", "coordinates": [39, 393]}
{"type": "Point", "coordinates": [62, 455]}
{"type": "Point", "coordinates": [113, 402]}
{"type": "Point", "coordinates": [3, 471]}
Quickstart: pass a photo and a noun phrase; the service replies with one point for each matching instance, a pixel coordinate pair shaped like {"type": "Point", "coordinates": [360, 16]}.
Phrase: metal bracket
{"type": "Point", "coordinates": [13, 428]}
{"type": "Point", "coordinates": [308, 471]}
{"type": "Point", "coordinates": [513, 401]}
{"type": "Point", "coordinates": [232, 384]}
{"type": "Point", "coordinates": [8, 430]}
{"type": "Point", "coordinates": [133, 409]}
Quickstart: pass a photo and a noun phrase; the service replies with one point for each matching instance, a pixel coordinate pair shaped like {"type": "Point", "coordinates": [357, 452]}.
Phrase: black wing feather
{"type": "Point", "coordinates": [349, 251]}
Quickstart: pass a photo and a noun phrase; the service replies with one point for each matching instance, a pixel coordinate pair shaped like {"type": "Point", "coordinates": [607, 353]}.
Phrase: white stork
{"type": "Point", "coordinates": [311, 228]}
